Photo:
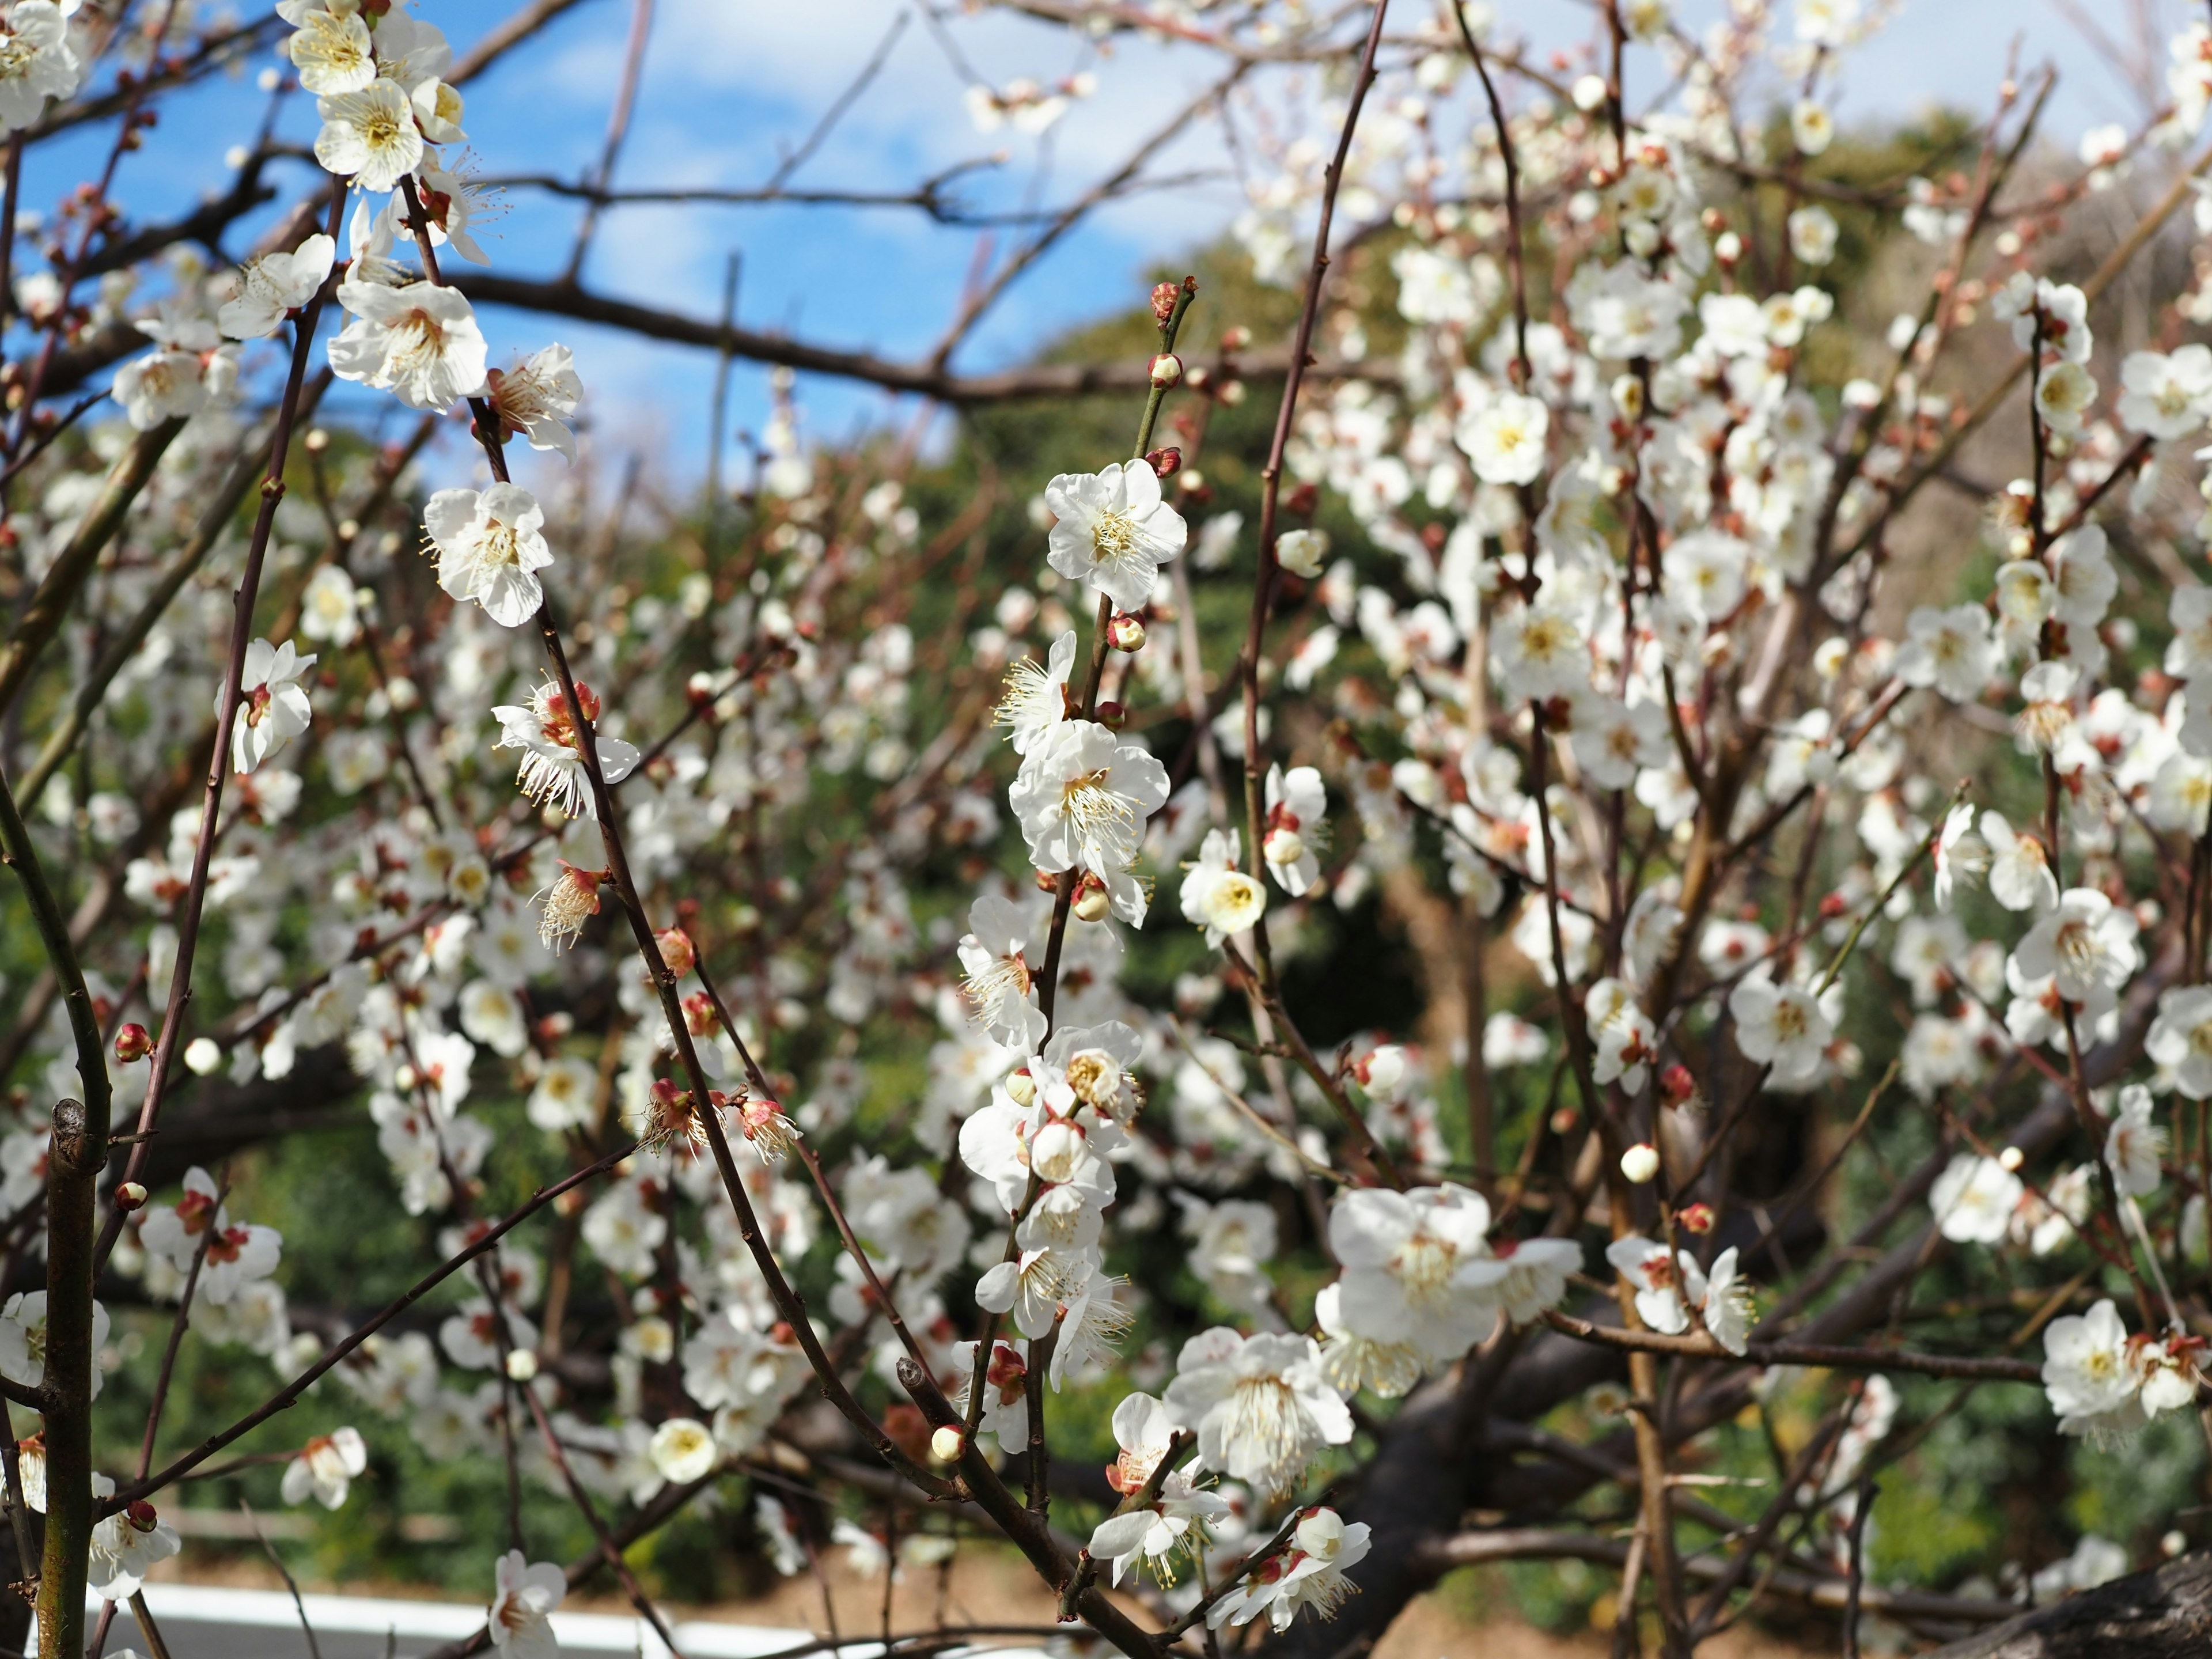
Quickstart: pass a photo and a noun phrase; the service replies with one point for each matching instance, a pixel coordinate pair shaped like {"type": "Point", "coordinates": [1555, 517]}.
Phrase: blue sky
{"type": "Point", "coordinates": [730, 85]}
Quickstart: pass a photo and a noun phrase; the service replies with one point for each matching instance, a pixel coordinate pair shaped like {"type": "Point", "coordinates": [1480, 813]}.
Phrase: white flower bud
{"type": "Point", "coordinates": [203, 1055]}
{"type": "Point", "coordinates": [948, 1443]}
{"type": "Point", "coordinates": [1640, 1162]}
{"type": "Point", "coordinates": [1301, 551]}
{"type": "Point", "coordinates": [1283, 845]}
{"type": "Point", "coordinates": [1167, 369]}
{"type": "Point", "coordinates": [521, 1365]}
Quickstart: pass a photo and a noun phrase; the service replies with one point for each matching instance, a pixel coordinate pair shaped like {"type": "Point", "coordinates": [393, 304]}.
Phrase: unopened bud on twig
{"type": "Point", "coordinates": [133, 1043]}
{"type": "Point", "coordinates": [130, 1196]}
{"type": "Point", "coordinates": [677, 951]}
{"type": "Point", "coordinates": [1125, 631]}
{"type": "Point", "coordinates": [1167, 369]}
{"type": "Point", "coordinates": [521, 1365]}
{"type": "Point", "coordinates": [1164, 463]}
{"type": "Point", "coordinates": [948, 1443]}
{"type": "Point", "coordinates": [1091, 899]}
{"type": "Point", "coordinates": [1696, 1218]}
{"type": "Point", "coordinates": [1640, 1162]}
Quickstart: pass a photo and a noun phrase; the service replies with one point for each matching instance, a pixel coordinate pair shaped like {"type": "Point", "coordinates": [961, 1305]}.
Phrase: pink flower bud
{"type": "Point", "coordinates": [677, 951]}
{"type": "Point", "coordinates": [1126, 632]}
{"type": "Point", "coordinates": [1167, 369]}
{"type": "Point", "coordinates": [133, 1043]}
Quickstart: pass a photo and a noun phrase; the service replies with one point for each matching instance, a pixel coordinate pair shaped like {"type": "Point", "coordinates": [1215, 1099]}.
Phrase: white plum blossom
{"type": "Point", "coordinates": [37, 63]}
{"type": "Point", "coordinates": [535, 399]}
{"type": "Point", "coordinates": [2166, 396]}
{"type": "Point", "coordinates": [2019, 872]}
{"type": "Point", "coordinates": [1216, 895]}
{"type": "Point", "coordinates": [1174, 1522]}
{"type": "Point", "coordinates": [2089, 1374]}
{"type": "Point", "coordinates": [420, 342]}
{"type": "Point", "coordinates": [1259, 1406]}
{"type": "Point", "coordinates": [2180, 1038]}
{"type": "Point", "coordinates": [1539, 652]}
{"type": "Point", "coordinates": [272, 708]}
{"type": "Point", "coordinates": [126, 1546]}
{"type": "Point", "coordinates": [1114, 531]}
{"type": "Point", "coordinates": [326, 1468]}
{"type": "Point", "coordinates": [1038, 697]}
{"type": "Point", "coordinates": [2134, 1145]}
{"type": "Point", "coordinates": [994, 960]}
{"type": "Point", "coordinates": [1505, 439]}
{"type": "Point", "coordinates": [1949, 650]}
{"type": "Point", "coordinates": [523, 1595]}
{"type": "Point", "coordinates": [1974, 1199]}
{"type": "Point", "coordinates": [273, 286]}
{"type": "Point", "coordinates": [1785, 1026]}
{"type": "Point", "coordinates": [2086, 945]}
{"type": "Point", "coordinates": [491, 545]}
{"type": "Point", "coordinates": [1624, 1040]}
{"type": "Point", "coordinates": [1311, 1573]}
{"type": "Point", "coordinates": [1297, 803]}
{"type": "Point", "coordinates": [1082, 798]}
{"type": "Point", "coordinates": [1410, 1267]}
{"type": "Point", "coordinates": [369, 135]}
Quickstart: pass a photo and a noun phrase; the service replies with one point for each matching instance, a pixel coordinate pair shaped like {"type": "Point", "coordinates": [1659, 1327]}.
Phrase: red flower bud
{"type": "Point", "coordinates": [132, 1042]}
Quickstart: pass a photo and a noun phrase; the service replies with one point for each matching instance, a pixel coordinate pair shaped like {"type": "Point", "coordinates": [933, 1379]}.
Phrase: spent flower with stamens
{"type": "Point", "coordinates": [552, 772]}
{"type": "Point", "coordinates": [572, 900]}
{"type": "Point", "coordinates": [772, 1133]}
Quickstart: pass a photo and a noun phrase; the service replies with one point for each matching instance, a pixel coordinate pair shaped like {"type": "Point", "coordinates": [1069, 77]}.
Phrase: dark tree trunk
{"type": "Point", "coordinates": [2165, 1614]}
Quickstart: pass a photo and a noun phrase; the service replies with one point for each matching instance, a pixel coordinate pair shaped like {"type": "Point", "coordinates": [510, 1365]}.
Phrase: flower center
{"type": "Point", "coordinates": [1114, 535]}
{"type": "Point", "coordinates": [2077, 946]}
{"type": "Point", "coordinates": [1265, 1415]}
{"type": "Point", "coordinates": [418, 342]}
{"type": "Point", "coordinates": [1006, 977]}
{"type": "Point", "coordinates": [497, 545]}
{"type": "Point", "coordinates": [1099, 815]}
{"type": "Point", "coordinates": [1424, 1265]}
{"type": "Point", "coordinates": [382, 130]}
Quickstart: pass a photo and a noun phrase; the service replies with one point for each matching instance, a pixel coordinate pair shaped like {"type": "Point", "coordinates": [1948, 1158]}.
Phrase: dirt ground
{"type": "Point", "coordinates": [1000, 1590]}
